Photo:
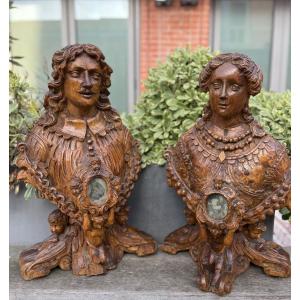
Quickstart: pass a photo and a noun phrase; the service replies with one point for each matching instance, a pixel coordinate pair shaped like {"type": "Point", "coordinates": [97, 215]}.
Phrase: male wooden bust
{"type": "Point", "coordinates": [82, 158]}
{"type": "Point", "coordinates": [231, 174]}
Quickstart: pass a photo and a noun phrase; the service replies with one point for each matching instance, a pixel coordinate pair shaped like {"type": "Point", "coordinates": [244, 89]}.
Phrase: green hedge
{"type": "Point", "coordinates": [23, 111]}
{"type": "Point", "coordinates": [273, 111]}
{"type": "Point", "coordinates": [170, 104]}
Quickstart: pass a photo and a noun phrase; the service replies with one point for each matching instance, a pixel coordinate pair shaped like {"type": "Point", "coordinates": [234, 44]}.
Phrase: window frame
{"type": "Point", "coordinates": [281, 31]}
{"type": "Point", "coordinates": [280, 45]}
{"type": "Point", "coordinates": [68, 28]}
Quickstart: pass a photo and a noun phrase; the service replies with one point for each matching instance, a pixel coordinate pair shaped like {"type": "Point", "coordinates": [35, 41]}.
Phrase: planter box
{"type": "Point", "coordinates": [158, 210]}
{"type": "Point", "coordinates": [28, 220]}
{"type": "Point", "coordinates": [154, 208]}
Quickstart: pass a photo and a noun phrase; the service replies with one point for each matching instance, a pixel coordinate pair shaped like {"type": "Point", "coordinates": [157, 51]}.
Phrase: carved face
{"type": "Point", "coordinates": [57, 228]}
{"type": "Point", "coordinates": [82, 83]}
{"type": "Point", "coordinates": [228, 92]}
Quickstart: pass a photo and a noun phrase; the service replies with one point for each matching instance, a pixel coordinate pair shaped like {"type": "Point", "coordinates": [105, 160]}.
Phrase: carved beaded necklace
{"type": "Point", "coordinates": [224, 143]}
{"type": "Point", "coordinates": [237, 141]}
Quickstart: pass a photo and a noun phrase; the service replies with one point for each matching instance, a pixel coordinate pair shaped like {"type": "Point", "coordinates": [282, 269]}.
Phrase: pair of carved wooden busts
{"type": "Point", "coordinates": [229, 172]}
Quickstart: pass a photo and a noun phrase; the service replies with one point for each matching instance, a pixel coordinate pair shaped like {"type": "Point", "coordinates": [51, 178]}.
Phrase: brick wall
{"type": "Point", "coordinates": [162, 29]}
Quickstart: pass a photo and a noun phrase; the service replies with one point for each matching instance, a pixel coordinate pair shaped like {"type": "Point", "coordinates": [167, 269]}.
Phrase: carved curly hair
{"type": "Point", "coordinates": [247, 67]}
{"type": "Point", "coordinates": [56, 217]}
{"type": "Point", "coordinates": [54, 101]}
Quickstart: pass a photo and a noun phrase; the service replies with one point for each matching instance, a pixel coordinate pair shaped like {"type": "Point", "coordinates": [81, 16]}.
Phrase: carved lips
{"type": "Point", "coordinates": [86, 93]}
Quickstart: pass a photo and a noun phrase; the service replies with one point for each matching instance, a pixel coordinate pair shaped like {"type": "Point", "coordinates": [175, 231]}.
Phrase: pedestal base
{"type": "Point", "coordinates": [217, 269]}
{"type": "Point", "coordinates": [72, 251]}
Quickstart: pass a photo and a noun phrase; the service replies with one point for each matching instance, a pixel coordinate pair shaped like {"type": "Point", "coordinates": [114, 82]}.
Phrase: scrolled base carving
{"type": "Point", "coordinates": [219, 266]}
{"type": "Point", "coordinates": [181, 239]}
{"type": "Point", "coordinates": [71, 250]}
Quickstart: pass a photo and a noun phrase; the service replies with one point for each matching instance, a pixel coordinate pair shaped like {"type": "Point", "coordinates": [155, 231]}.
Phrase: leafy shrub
{"type": "Point", "coordinates": [170, 104]}
{"type": "Point", "coordinates": [23, 111]}
{"type": "Point", "coordinates": [273, 111]}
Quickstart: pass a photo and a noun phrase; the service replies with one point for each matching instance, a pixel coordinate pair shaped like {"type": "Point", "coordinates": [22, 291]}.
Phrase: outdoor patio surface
{"type": "Point", "coordinates": [159, 276]}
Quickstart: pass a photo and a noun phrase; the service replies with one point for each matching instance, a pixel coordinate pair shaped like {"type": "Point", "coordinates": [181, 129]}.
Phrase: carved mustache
{"type": "Point", "coordinates": [86, 92]}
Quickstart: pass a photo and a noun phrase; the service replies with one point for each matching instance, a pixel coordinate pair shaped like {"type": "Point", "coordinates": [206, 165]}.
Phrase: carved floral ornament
{"type": "Point", "coordinates": [229, 172]}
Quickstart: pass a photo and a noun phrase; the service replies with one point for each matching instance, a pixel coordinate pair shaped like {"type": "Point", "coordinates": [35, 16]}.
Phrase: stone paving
{"type": "Point", "coordinates": [159, 277]}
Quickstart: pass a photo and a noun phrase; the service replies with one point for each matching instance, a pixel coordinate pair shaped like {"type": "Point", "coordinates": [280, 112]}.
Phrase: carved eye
{"type": "Point", "coordinates": [74, 74]}
{"type": "Point", "coordinates": [216, 85]}
{"type": "Point", "coordinates": [217, 206]}
{"type": "Point", "coordinates": [97, 191]}
{"type": "Point", "coordinates": [235, 87]}
{"type": "Point", "coordinates": [96, 76]}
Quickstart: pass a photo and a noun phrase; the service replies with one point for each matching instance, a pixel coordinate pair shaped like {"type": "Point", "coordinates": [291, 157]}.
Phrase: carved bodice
{"type": "Point", "coordinates": [255, 178]}
{"type": "Point", "coordinates": [73, 152]}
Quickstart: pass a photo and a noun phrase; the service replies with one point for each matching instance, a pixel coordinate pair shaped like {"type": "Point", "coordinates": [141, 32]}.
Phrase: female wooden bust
{"type": "Point", "coordinates": [231, 174]}
{"type": "Point", "coordinates": [81, 157]}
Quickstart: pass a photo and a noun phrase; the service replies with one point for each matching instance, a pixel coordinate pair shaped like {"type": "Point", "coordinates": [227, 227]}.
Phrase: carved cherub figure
{"type": "Point", "coordinates": [82, 158]}
{"type": "Point", "coordinates": [231, 174]}
{"type": "Point", "coordinates": [57, 222]}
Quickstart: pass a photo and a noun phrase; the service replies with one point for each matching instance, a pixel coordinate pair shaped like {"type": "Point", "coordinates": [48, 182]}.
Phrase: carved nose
{"type": "Point", "coordinates": [86, 81]}
{"type": "Point", "coordinates": [223, 95]}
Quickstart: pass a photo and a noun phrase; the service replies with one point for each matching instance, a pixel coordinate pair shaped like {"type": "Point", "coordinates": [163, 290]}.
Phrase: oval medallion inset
{"type": "Point", "coordinates": [97, 191]}
{"type": "Point", "coordinates": [217, 206]}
